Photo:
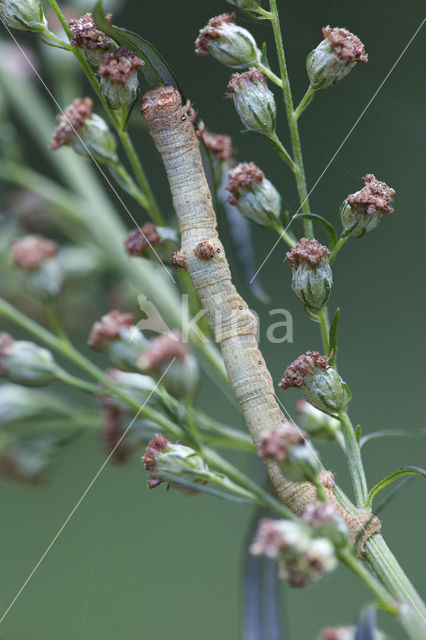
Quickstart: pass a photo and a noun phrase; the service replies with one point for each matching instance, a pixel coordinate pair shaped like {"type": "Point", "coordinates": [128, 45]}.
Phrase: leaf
{"type": "Point", "coordinates": [262, 597]}
{"type": "Point", "coordinates": [333, 338]}
{"type": "Point", "coordinates": [392, 494]}
{"type": "Point", "coordinates": [156, 68]}
{"type": "Point", "coordinates": [324, 223]}
{"type": "Point", "coordinates": [366, 624]}
{"type": "Point", "coordinates": [391, 433]}
{"type": "Point", "coordinates": [264, 56]}
{"type": "Point", "coordinates": [391, 478]}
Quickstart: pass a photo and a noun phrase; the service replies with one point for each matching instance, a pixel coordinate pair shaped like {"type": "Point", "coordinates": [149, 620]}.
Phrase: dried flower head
{"type": "Point", "coordinates": [162, 350]}
{"type": "Point", "coordinates": [211, 32]}
{"type": "Point", "coordinates": [274, 443]}
{"type": "Point", "coordinates": [295, 374]}
{"type": "Point", "coordinates": [70, 122]}
{"type": "Point", "coordinates": [347, 47]}
{"type": "Point", "coordinates": [30, 252]}
{"type": "Point", "coordinates": [108, 328]}
{"type": "Point", "coordinates": [374, 196]}
{"type": "Point", "coordinates": [240, 80]}
{"type": "Point", "coordinates": [243, 177]}
{"type": "Point", "coordinates": [86, 35]}
{"type": "Point", "coordinates": [141, 239]}
{"type": "Point", "coordinates": [119, 65]}
{"type": "Point", "coordinates": [218, 145]}
{"type": "Point", "coordinates": [307, 252]}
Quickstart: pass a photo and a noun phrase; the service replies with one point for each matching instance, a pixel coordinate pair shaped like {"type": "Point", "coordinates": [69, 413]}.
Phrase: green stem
{"type": "Point", "coordinates": [66, 377]}
{"type": "Point", "coordinates": [270, 74]}
{"type": "Point", "coordinates": [324, 323]}
{"type": "Point", "coordinates": [339, 244]}
{"type": "Point", "coordinates": [284, 235]}
{"type": "Point", "coordinates": [283, 153]}
{"type": "Point", "coordinates": [353, 454]}
{"type": "Point", "coordinates": [305, 101]}
{"type": "Point", "coordinates": [292, 120]}
{"type": "Point", "coordinates": [132, 187]}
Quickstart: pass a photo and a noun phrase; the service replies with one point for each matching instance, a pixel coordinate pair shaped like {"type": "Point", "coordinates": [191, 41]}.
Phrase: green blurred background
{"type": "Point", "coordinates": [138, 564]}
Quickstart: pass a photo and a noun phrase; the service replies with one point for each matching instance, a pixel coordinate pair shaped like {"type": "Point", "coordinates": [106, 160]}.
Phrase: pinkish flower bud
{"type": "Point", "coordinates": [254, 102]}
{"type": "Point", "coordinates": [26, 15]}
{"type": "Point", "coordinates": [362, 211]}
{"type": "Point", "coordinates": [321, 384]}
{"type": "Point", "coordinates": [119, 79]}
{"type": "Point", "coordinates": [175, 463]}
{"type": "Point", "coordinates": [327, 521]}
{"type": "Point", "coordinates": [116, 335]}
{"type": "Point", "coordinates": [254, 195]}
{"type": "Point", "coordinates": [88, 37]}
{"type": "Point", "coordinates": [41, 272]}
{"type": "Point", "coordinates": [312, 278]}
{"type": "Point", "coordinates": [288, 446]}
{"type": "Point", "coordinates": [86, 132]}
{"type": "Point", "coordinates": [334, 57]}
{"type": "Point", "coordinates": [150, 241]}
{"type": "Point", "coordinates": [337, 633]}
{"type": "Point", "coordinates": [230, 44]}
{"type": "Point", "coordinates": [25, 363]}
{"type": "Point", "coordinates": [218, 145]}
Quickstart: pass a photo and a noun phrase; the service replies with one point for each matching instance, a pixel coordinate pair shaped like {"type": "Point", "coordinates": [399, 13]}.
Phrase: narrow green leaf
{"type": "Point", "coordinates": [333, 338]}
{"type": "Point", "coordinates": [391, 433]}
{"type": "Point", "coordinates": [156, 68]}
{"type": "Point", "coordinates": [262, 597]}
{"type": "Point", "coordinates": [358, 433]}
{"type": "Point", "coordinates": [392, 494]}
{"type": "Point", "coordinates": [264, 56]}
{"type": "Point", "coordinates": [325, 225]}
{"type": "Point", "coordinates": [366, 624]}
{"type": "Point", "coordinates": [391, 478]}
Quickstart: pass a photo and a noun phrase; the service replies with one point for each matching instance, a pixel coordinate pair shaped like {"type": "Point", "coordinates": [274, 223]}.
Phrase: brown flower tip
{"type": "Point", "coordinates": [162, 350]}
{"type": "Point", "coordinates": [139, 240]}
{"type": "Point", "coordinates": [374, 196]}
{"type": "Point", "coordinates": [335, 633]}
{"type": "Point", "coordinates": [211, 32]}
{"type": "Point", "coordinates": [70, 121]}
{"type": "Point", "coordinates": [294, 375]}
{"type": "Point", "coordinates": [307, 251]}
{"type": "Point", "coordinates": [30, 252]}
{"type": "Point", "coordinates": [238, 80]}
{"type": "Point", "coordinates": [274, 443]}
{"type": "Point", "coordinates": [319, 513]}
{"type": "Point", "coordinates": [113, 434]}
{"type": "Point", "coordinates": [119, 65]}
{"type": "Point", "coordinates": [178, 259]}
{"type": "Point", "coordinates": [6, 342]}
{"type": "Point", "coordinates": [270, 539]}
{"type": "Point", "coordinates": [108, 328]}
{"type": "Point", "coordinates": [86, 35]}
{"type": "Point", "coordinates": [218, 145]}
{"type": "Point", "coordinates": [347, 47]}
{"type": "Point", "coordinates": [243, 177]}
{"type": "Point", "coordinates": [204, 250]}
{"type": "Point", "coordinates": [158, 444]}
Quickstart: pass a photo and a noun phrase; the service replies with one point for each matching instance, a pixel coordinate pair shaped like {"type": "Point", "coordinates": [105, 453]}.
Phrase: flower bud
{"type": "Point", "coordinates": [168, 462]}
{"type": "Point", "coordinates": [181, 377]}
{"type": "Point", "coordinates": [26, 15]}
{"type": "Point", "coordinates": [150, 241]}
{"type": "Point", "coordinates": [254, 102]}
{"type": "Point", "coordinates": [119, 78]}
{"type": "Point", "coordinates": [321, 385]}
{"type": "Point", "coordinates": [254, 196]}
{"type": "Point", "coordinates": [230, 44]}
{"type": "Point", "coordinates": [19, 403]}
{"type": "Point", "coordinates": [316, 423]}
{"type": "Point", "coordinates": [363, 210]}
{"type": "Point", "coordinates": [86, 132]}
{"type": "Point", "coordinates": [143, 389]}
{"type": "Point", "coordinates": [312, 278]}
{"type": "Point", "coordinates": [334, 57]}
{"type": "Point", "coordinates": [327, 522]}
{"type": "Point", "coordinates": [116, 335]}
{"type": "Point", "coordinates": [220, 150]}
{"type": "Point", "coordinates": [87, 36]}
{"type": "Point", "coordinates": [302, 560]}
{"type": "Point", "coordinates": [247, 5]}
{"type": "Point", "coordinates": [338, 633]}
{"type": "Point", "coordinates": [35, 257]}
{"type": "Point", "coordinates": [288, 446]}
{"type": "Point", "coordinates": [25, 363]}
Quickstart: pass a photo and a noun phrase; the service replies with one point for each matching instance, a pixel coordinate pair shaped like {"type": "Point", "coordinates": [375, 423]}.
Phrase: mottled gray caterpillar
{"type": "Point", "coordinates": [203, 256]}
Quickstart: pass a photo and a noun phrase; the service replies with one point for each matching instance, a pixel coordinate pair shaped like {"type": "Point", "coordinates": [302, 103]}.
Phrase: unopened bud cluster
{"type": "Point", "coordinates": [35, 257]}
{"type": "Point", "coordinates": [320, 384]}
{"type": "Point", "coordinates": [230, 44]}
{"type": "Point", "coordinates": [90, 39]}
{"type": "Point", "coordinates": [316, 423]}
{"type": "Point", "coordinates": [362, 211]}
{"type": "Point", "coordinates": [312, 278]}
{"type": "Point", "coordinates": [25, 363]}
{"type": "Point", "coordinates": [254, 102]}
{"type": "Point", "coordinates": [254, 195]}
{"type": "Point", "coordinates": [289, 447]}
{"type": "Point", "coordinates": [150, 241]}
{"type": "Point", "coordinates": [324, 518]}
{"type": "Point", "coordinates": [173, 463]}
{"type": "Point", "coordinates": [119, 78]}
{"type": "Point", "coordinates": [26, 15]}
{"type": "Point", "coordinates": [302, 559]}
{"type": "Point", "coordinates": [334, 57]}
{"type": "Point", "coordinates": [86, 132]}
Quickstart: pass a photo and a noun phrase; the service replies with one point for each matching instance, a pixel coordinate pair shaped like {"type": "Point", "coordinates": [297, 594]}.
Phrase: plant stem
{"type": "Point", "coordinates": [66, 377]}
{"type": "Point", "coordinates": [284, 235]}
{"type": "Point", "coordinates": [292, 120]}
{"type": "Point", "coordinates": [339, 244]}
{"type": "Point", "coordinates": [283, 153]}
{"type": "Point", "coordinates": [353, 454]}
{"type": "Point", "coordinates": [305, 101]}
{"type": "Point", "coordinates": [325, 328]}
{"type": "Point", "coordinates": [270, 74]}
